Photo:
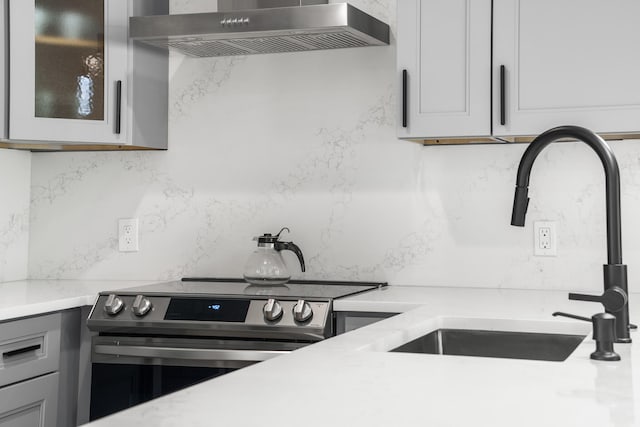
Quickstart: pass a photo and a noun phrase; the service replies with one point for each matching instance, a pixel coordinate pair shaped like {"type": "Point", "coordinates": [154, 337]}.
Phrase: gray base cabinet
{"type": "Point", "coordinates": [32, 403]}
{"type": "Point", "coordinates": [43, 370]}
{"type": "Point", "coordinates": [349, 320]}
{"type": "Point", "coordinates": [30, 350]}
{"type": "Point", "coordinates": [69, 398]}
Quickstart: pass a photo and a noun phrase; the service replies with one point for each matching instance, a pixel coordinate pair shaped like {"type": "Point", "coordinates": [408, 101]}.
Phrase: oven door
{"type": "Point", "coordinates": [127, 371]}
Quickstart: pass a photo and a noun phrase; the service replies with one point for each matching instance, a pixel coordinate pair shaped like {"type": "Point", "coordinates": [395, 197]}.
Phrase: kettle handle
{"type": "Point", "coordinates": [280, 232]}
{"type": "Point", "coordinates": [290, 246]}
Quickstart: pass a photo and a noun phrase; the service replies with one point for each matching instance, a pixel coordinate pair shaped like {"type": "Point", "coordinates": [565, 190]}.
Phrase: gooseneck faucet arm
{"type": "Point", "coordinates": [612, 177]}
{"type": "Point", "coordinates": [615, 272]}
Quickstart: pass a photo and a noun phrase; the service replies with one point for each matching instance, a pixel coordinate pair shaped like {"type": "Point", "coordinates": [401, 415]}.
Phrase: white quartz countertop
{"type": "Point", "coordinates": [353, 380]}
{"type": "Point", "coordinates": [34, 297]}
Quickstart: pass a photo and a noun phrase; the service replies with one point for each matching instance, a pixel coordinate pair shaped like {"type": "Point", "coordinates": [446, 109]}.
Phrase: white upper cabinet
{"type": "Point", "coordinates": [76, 79]}
{"type": "Point", "coordinates": [444, 63]}
{"type": "Point", "coordinates": [3, 70]}
{"type": "Point", "coordinates": [567, 62]}
{"type": "Point", "coordinates": [509, 68]}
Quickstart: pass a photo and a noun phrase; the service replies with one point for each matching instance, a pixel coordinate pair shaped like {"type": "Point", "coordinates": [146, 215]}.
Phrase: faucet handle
{"type": "Point", "coordinates": [613, 299]}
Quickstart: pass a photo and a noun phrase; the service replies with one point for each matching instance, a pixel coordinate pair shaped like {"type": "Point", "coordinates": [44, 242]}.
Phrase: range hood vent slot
{"type": "Point", "coordinates": [264, 30]}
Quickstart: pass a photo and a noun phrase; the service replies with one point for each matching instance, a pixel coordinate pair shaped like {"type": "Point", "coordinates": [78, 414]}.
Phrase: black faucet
{"type": "Point", "coordinates": [615, 272]}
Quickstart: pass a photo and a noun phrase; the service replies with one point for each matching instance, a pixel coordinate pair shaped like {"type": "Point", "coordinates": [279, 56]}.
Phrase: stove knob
{"type": "Point", "coordinates": [302, 311]}
{"type": "Point", "coordinates": [141, 305]}
{"type": "Point", "coordinates": [272, 310]}
{"type": "Point", "coordinates": [113, 305]}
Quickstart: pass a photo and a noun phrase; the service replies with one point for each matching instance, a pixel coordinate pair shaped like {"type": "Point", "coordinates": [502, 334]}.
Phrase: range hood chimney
{"type": "Point", "coordinates": [246, 27]}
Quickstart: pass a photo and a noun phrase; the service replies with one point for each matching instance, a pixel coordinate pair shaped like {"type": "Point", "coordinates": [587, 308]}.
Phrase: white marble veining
{"type": "Point", "coordinates": [15, 178]}
{"type": "Point", "coordinates": [353, 380]}
{"type": "Point", "coordinates": [307, 140]}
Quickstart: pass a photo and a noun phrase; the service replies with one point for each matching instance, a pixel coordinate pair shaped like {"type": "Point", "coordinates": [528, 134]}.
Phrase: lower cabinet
{"type": "Point", "coordinates": [349, 320]}
{"type": "Point", "coordinates": [31, 403]}
{"type": "Point", "coordinates": [30, 351]}
{"type": "Point", "coordinates": [42, 371]}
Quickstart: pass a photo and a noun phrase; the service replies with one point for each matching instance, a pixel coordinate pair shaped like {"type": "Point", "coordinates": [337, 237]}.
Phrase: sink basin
{"type": "Point", "coordinates": [490, 343]}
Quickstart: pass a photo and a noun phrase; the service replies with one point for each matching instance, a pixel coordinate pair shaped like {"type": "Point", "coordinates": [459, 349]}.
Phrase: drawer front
{"type": "Point", "coordinates": [29, 348]}
{"type": "Point", "coordinates": [32, 403]}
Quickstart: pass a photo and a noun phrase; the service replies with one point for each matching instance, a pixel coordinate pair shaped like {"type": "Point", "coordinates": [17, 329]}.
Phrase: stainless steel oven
{"type": "Point", "coordinates": [160, 338]}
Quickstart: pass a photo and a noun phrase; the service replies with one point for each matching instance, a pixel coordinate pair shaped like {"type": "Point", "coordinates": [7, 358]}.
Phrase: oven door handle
{"type": "Point", "coordinates": [187, 353]}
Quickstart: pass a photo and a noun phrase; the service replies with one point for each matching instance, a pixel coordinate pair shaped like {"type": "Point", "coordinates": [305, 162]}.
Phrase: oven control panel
{"type": "Point", "coordinates": [114, 311]}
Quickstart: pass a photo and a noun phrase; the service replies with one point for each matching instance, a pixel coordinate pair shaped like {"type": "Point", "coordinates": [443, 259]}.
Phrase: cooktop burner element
{"type": "Point", "coordinates": [222, 307]}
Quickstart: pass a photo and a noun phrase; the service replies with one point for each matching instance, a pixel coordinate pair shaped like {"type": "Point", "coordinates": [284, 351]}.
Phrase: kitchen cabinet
{"type": "Point", "coordinates": [31, 403]}
{"type": "Point", "coordinates": [508, 70]}
{"type": "Point", "coordinates": [567, 62]}
{"type": "Point", "coordinates": [444, 58]}
{"type": "Point", "coordinates": [30, 351]}
{"type": "Point", "coordinates": [75, 78]}
{"type": "Point", "coordinates": [44, 370]}
{"type": "Point", "coordinates": [3, 70]}
{"type": "Point", "coordinates": [349, 320]}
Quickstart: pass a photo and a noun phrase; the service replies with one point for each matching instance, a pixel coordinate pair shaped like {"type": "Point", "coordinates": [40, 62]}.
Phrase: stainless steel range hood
{"type": "Point", "coordinates": [293, 26]}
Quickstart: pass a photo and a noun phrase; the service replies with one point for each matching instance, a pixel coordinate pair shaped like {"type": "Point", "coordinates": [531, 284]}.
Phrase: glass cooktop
{"type": "Point", "coordinates": [237, 287]}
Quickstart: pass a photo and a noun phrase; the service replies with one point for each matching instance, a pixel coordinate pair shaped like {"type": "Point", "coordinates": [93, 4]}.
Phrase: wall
{"type": "Point", "coordinates": [15, 176]}
{"type": "Point", "coordinates": [308, 141]}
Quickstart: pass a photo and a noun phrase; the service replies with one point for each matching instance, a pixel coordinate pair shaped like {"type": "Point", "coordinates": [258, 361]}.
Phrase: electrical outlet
{"type": "Point", "coordinates": [545, 239]}
{"type": "Point", "coordinates": [128, 235]}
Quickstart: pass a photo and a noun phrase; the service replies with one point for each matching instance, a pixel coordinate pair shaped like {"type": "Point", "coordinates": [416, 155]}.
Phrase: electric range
{"type": "Point", "coordinates": [155, 339]}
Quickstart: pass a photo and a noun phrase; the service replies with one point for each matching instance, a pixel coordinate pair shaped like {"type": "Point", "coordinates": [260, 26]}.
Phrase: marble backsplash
{"type": "Point", "coordinates": [307, 141]}
{"type": "Point", "coordinates": [15, 175]}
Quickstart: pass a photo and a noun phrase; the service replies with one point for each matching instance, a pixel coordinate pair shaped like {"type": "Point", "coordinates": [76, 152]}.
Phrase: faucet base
{"type": "Point", "coordinates": [606, 356]}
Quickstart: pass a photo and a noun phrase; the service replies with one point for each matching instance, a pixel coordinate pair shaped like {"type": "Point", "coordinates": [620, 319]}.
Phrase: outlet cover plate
{"type": "Point", "coordinates": [545, 238]}
{"type": "Point", "coordinates": [128, 235]}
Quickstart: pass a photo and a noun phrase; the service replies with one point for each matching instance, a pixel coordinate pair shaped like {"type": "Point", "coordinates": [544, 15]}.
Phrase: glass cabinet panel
{"type": "Point", "coordinates": [68, 71]}
{"type": "Point", "coordinates": [69, 59]}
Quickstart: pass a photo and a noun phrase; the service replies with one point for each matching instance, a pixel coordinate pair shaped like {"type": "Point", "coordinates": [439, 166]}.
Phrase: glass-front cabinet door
{"type": "Point", "coordinates": [4, 65]}
{"type": "Point", "coordinates": [68, 70]}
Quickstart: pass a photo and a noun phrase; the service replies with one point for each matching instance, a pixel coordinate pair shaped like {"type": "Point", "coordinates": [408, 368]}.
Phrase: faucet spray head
{"type": "Point", "coordinates": [520, 204]}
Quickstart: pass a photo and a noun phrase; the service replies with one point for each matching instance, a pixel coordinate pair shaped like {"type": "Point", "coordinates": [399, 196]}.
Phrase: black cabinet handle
{"type": "Point", "coordinates": [405, 81]}
{"type": "Point", "coordinates": [118, 106]}
{"type": "Point", "coordinates": [19, 351]}
{"type": "Point", "coordinates": [503, 104]}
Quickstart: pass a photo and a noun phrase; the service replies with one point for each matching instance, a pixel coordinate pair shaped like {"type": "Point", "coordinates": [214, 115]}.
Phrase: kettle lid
{"type": "Point", "coordinates": [269, 238]}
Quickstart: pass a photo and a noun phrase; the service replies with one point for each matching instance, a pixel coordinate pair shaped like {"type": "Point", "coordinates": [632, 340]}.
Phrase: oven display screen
{"type": "Point", "coordinates": [207, 309]}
